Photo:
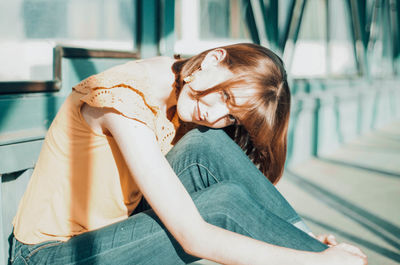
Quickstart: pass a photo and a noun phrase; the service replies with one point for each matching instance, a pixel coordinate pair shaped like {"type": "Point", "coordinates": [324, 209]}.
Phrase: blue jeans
{"type": "Point", "coordinates": [228, 190]}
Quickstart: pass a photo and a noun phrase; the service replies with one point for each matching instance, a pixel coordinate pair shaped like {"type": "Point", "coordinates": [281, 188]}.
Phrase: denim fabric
{"type": "Point", "coordinates": [228, 190]}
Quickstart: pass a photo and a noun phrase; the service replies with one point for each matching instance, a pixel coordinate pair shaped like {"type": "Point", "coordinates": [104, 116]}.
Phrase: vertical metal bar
{"type": "Point", "coordinates": [397, 15]}
{"type": "Point", "coordinates": [135, 25]}
{"type": "Point", "coordinates": [259, 19]}
{"type": "Point", "coordinates": [167, 40]}
{"type": "Point", "coordinates": [57, 66]}
{"type": "Point", "coordinates": [3, 256]}
{"type": "Point", "coordinates": [388, 26]}
{"type": "Point", "coordinates": [283, 36]}
{"type": "Point", "coordinates": [316, 127]}
{"type": "Point", "coordinates": [374, 21]}
{"type": "Point", "coordinates": [358, 18]}
{"type": "Point", "coordinates": [394, 21]}
{"type": "Point", "coordinates": [148, 29]}
{"type": "Point", "coordinates": [273, 13]}
{"type": "Point", "coordinates": [372, 38]}
{"type": "Point", "coordinates": [360, 7]}
{"type": "Point", "coordinates": [328, 38]}
{"type": "Point", "coordinates": [294, 30]}
{"type": "Point", "coordinates": [359, 36]}
{"type": "Point", "coordinates": [299, 17]}
{"type": "Point", "coordinates": [249, 18]}
{"type": "Point", "coordinates": [270, 12]}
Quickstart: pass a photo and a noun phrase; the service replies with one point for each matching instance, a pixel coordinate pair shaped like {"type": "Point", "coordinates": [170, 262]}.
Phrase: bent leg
{"type": "Point", "coordinates": [142, 238]}
{"type": "Point", "coordinates": [232, 207]}
{"type": "Point", "coordinates": [205, 156]}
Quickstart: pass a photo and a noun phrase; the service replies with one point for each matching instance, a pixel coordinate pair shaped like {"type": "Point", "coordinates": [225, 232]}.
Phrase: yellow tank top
{"type": "Point", "coordinates": [80, 181]}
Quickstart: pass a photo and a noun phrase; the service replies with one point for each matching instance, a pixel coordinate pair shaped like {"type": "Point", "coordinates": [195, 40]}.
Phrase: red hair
{"type": "Point", "coordinates": [263, 121]}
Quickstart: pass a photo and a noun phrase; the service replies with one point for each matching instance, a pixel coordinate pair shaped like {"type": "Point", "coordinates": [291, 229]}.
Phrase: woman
{"type": "Point", "coordinates": [103, 192]}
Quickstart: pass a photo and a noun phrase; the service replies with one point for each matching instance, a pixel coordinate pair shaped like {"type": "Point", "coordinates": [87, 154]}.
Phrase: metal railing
{"type": "Point", "coordinates": [17, 87]}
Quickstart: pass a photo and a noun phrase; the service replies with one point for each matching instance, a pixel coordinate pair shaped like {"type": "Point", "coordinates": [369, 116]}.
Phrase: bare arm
{"type": "Point", "coordinates": [174, 206]}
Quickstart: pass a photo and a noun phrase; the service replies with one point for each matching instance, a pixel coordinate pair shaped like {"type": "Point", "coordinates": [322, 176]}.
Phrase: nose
{"type": "Point", "coordinates": [216, 112]}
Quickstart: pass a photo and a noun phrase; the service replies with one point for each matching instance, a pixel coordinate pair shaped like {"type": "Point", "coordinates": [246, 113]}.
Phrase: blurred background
{"type": "Point", "coordinates": [342, 58]}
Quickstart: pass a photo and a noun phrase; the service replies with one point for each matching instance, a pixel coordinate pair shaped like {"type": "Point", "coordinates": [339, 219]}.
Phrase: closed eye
{"type": "Point", "coordinates": [225, 96]}
{"type": "Point", "coordinates": [231, 118]}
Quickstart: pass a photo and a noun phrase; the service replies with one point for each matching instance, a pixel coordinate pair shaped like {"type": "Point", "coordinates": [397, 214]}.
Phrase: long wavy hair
{"type": "Point", "coordinates": [261, 130]}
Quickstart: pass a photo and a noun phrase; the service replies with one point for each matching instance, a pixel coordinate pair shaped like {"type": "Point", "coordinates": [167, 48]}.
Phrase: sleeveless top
{"type": "Point", "coordinates": [81, 181]}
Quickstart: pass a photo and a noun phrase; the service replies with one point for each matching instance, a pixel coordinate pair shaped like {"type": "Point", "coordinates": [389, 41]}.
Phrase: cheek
{"type": "Point", "coordinates": [184, 108]}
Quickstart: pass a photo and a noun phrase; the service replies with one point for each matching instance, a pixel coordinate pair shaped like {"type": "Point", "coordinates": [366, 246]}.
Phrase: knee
{"type": "Point", "coordinates": [225, 203]}
{"type": "Point", "coordinates": [204, 142]}
{"type": "Point", "coordinates": [205, 136]}
{"type": "Point", "coordinates": [230, 207]}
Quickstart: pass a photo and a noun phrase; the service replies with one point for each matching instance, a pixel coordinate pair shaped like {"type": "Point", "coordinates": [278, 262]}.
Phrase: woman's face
{"type": "Point", "coordinates": [212, 109]}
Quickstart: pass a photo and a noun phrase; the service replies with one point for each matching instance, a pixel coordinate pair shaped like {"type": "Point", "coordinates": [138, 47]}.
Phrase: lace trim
{"type": "Point", "coordinates": [140, 93]}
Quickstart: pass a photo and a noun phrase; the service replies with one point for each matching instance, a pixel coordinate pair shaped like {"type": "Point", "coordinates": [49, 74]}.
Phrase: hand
{"type": "Point", "coordinates": [327, 239]}
{"type": "Point", "coordinates": [344, 254]}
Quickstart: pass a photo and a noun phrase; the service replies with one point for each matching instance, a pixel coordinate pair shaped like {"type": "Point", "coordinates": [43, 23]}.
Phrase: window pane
{"type": "Point", "coordinates": [341, 54]}
{"type": "Point", "coordinates": [318, 55]}
{"type": "Point", "coordinates": [203, 24]}
{"type": "Point", "coordinates": [309, 58]}
{"type": "Point", "coordinates": [29, 29]}
{"type": "Point", "coordinates": [379, 46]}
{"type": "Point", "coordinates": [214, 17]}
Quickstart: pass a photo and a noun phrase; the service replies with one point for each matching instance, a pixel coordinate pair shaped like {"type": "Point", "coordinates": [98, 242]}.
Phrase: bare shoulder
{"type": "Point", "coordinates": [107, 120]}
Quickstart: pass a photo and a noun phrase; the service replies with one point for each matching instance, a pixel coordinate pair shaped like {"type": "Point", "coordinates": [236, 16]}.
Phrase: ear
{"type": "Point", "coordinates": [213, 58]}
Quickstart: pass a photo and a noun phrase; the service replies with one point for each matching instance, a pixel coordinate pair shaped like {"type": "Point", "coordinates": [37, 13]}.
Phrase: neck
{"type": "Point", "coordinates": [162, 79]}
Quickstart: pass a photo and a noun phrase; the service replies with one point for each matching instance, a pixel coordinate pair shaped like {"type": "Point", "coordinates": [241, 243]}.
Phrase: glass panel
{"type": "Point", "coordinates": [342, 58]}
{"type": "Point", "coordinates": [29, 29]}
{"type": "Point", "coordinates": [309, 57]}
{"type": "Point", "coordinates": [204, 24]}
{"type": "Point", "coordinates": [283, 15]}
{"type": "Point", "coordinates": [379, 47]}
{"type": "Point", "coordinates": [214, 18]}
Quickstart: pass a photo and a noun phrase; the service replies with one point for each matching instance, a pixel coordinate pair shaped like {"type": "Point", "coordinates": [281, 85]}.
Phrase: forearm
{"type": "Point", "coordinates": [226, 247]}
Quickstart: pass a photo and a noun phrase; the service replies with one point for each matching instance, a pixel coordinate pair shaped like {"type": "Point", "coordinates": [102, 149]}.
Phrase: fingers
{"type": "Point", "coordinates": [331, 240]}
{"type": "Point", "coordinates": [327, 239]}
